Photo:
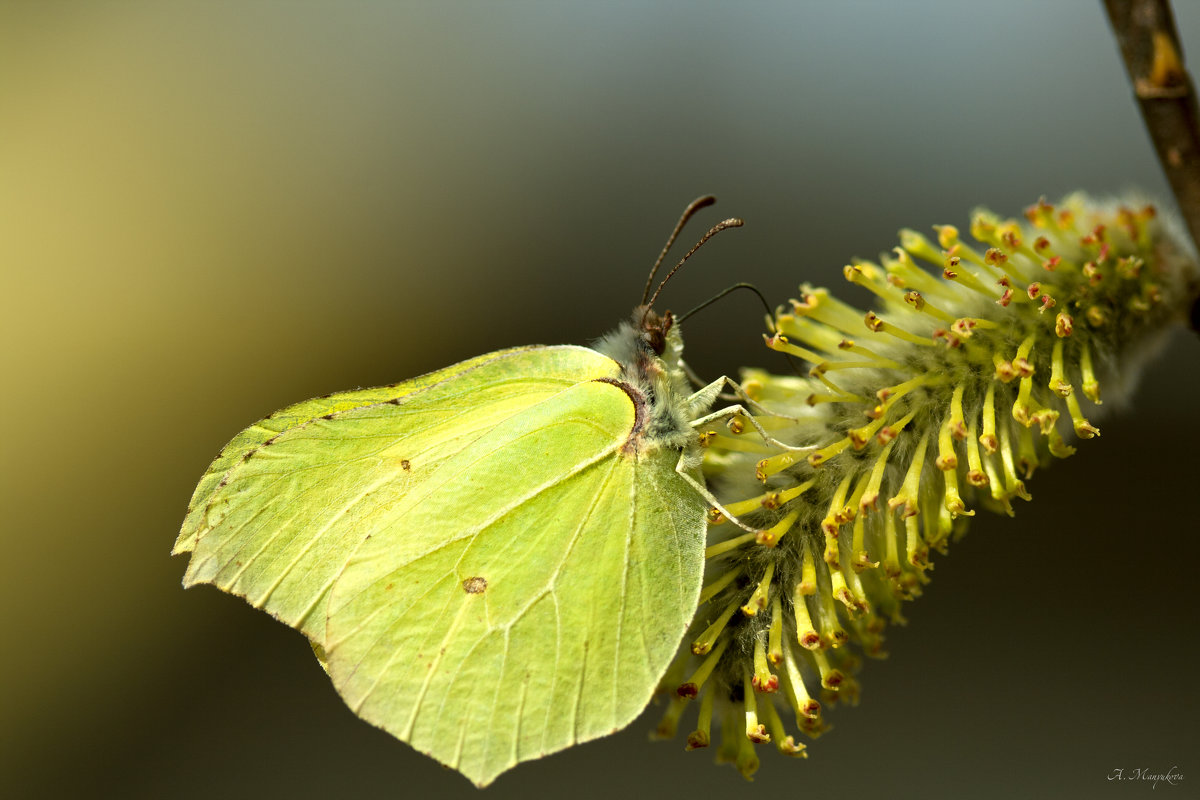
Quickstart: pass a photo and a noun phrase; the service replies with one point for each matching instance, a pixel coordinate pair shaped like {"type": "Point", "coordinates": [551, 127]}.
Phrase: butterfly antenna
{"type": "Point", "coordinates": [750, 286]}
{"type": "Point", "coordinates": [763, 300]}
{"type": "Point", "coordinates": [688, 213]}
{"type": "Point", "coordinates": [732, 222]}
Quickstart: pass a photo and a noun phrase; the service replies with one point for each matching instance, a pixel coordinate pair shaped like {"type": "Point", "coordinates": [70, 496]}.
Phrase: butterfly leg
{"type": "Point", "coordinates": [708, 394]}
{"type": "Point", "coordinates": [687, 460]}
{"type": "Point", "coordinates": [684, 467]}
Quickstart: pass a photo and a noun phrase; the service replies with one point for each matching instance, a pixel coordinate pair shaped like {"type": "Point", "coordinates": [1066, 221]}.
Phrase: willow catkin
{"type": "Point", "coordinates": [979, 363]}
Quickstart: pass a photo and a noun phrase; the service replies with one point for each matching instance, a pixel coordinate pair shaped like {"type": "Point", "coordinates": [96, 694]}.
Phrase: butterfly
{"type": "Point", "coordinates": [494, 561]}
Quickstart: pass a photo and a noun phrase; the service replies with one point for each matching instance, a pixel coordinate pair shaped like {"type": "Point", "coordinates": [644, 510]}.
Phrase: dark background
{"type": "Point", "coordinates": [211, 211]}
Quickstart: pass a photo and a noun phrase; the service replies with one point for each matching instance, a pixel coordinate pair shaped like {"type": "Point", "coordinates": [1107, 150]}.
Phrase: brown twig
{"type": "Point", "coordinates": [1145, 31]}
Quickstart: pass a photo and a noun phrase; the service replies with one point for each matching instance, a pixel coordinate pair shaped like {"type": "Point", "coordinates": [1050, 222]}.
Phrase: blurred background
{"type": "Point", "coordinates": [209, 211]}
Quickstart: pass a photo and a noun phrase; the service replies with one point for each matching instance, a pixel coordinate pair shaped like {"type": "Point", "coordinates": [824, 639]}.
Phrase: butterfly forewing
{"type": "Point", "coordinates": [281, 523]}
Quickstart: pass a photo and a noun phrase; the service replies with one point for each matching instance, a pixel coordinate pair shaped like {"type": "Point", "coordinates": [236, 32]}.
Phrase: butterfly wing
{"type": "Point", "coordinates": [488, 626]}
{"type": "Point", "coordinates": [487, 573]}
{"type": "Point", "coordinates": [296, 491]}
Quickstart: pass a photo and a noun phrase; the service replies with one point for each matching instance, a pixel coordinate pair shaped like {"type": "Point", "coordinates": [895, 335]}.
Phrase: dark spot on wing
{"type": "Point", "coordinates": [475, 585]}
{"type": "Point", "coordinates": [328, 416]}
{"type": "Point", "coordinates": [395, 401]}
{"type": "Point", "coordinates": [405, 464]}
{"type": "Point", "coordinates": [388, 587]}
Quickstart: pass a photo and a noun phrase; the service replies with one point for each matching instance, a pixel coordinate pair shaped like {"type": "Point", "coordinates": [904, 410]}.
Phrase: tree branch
{"type": "Point", "coordinates": [1145, 31]}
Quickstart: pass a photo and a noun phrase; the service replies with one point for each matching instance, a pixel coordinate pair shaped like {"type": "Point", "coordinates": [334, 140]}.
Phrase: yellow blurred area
{"type": "Point", "coordinates": [211, 210]}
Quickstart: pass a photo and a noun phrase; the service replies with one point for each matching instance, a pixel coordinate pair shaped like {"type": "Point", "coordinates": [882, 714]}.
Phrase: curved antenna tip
{"type": "Point", "coordinates": [732, 222]}
{"type": "Point", "coordinates": [703, 201]}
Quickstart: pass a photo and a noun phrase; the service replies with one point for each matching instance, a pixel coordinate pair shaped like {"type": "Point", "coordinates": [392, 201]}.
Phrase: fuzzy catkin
{"type": "Point", "coordinates": [979, 363]}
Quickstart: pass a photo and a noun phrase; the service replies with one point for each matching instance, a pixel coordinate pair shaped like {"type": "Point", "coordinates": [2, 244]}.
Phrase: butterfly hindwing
{"type": "Point", "coordinates": [489, 627]}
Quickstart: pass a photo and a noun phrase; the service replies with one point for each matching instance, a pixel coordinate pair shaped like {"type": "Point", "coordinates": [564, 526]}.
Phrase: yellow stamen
{"type": "Point", "coordinates": [815, 334]}
{"type": "Point", "coordinates": [957, 429]}
{"type": "Point", "coordinates": [1083, 428]}
{"type": "Point", "coordinates": [903, 271]}
{"type": "Point", "coordinates": [842, 591]}
{"type": "Point", "coordinates": [806, 632]}
{"type": "Point", "coordinates": [891, 394]}
{"type": "Point", "coordinates": [832, 632]}
{"type": "Point", "coordinates": [808, 573]}
{"type": "Point", "coordinates": [1091, 387]}
{"type": "Point", "coordinates": [946, 459]}
{"type": "Point", "coordinates": [890, 432]}
{"type": "Point", "coordinates": [764, 680]}
{"type": "Point", "coordinates": [775, 632]}
{"type": "Point", "coordinates": [860, 436]}
{"type": "Point", "coordinates": [832, 554]}
{"type": "Point", "coordinates": [997, 486]}
{"type": "Point", "coordinates": [821, 306]}
{"type": "Point", "coordinates": [916, 549]}
{"type": "Point", "coordinates": [781, 344]}
{"type": "Point", "coordinates": [797, 694]}
{"type": "Point", "coordinates": [758, 600]}
{"type": "Point", "coordinates": [732, 740]}
{"type": "Point", "coordinates": [702, 736]}
{"type": "Point", "coordinates": [755, 731]}
{"type": "Point", "coordinates": [920, 247]}
{"type": "Point", "coordinates": [940, 522]}
{"type": "Point", "coordinates": [771, 536]}
{"type": "Point", "coordinates": [1004, 369]}
{"type": "Point", "coordinates": [918, 302]}
{"type": "Point", "coordinates": [721, 548]}
{"type": "Point", "coordinates": [1027, 458]}
{"type": "Point", "coordinates": [1063, 325]}
{"type": "Point", "coordinates": [819, 457]}
{"type": "Point", "coordinates": [783, 742]}
{"type": "Point", "coordinates": [669, 724]}
{"type": "Point", "coordinates": [954, 502]}
{"type": "Point", "coordinates": [1058, 383]}
{"type": "Point", "coordinates": [831, 677]}
{"type": "Point", "coordinates": [747, 762]}
{"type": "Point", "coordinates": [710, 591]}
{"type": "Point", "coordinates": [891, 558]}
{"type": "Point", "coordinates": [707, 639]}
{"type": "Point", "coordinates": [955, 270]}
{"type": "Point", "coordinates": [691, 687]}
{"type": "Point", "coordinates": [988, 437]}
{"type": "Point", "coordinates": [745, 445]}
{"type": "Point", "coordinates": [975, 474]}
{"type": "Point", "coordinates": [833, 520]}
{"type": "Point", "coordinates": [871, 278]}
{"type": "Point", "coordinates": [774, 464]}
{"type": "Point", "coordinates": [874, 323]}
{"type": "Point", "coordinates": [1014, 486]}
{"type": "Point", "coordinates": [1058, 448]}
{"type": "Point", "coordinates": [910, 489]}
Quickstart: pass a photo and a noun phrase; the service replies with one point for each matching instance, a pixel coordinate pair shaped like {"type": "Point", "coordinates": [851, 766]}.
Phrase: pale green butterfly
{"type": "Point", "coordinates": [494, 561]}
